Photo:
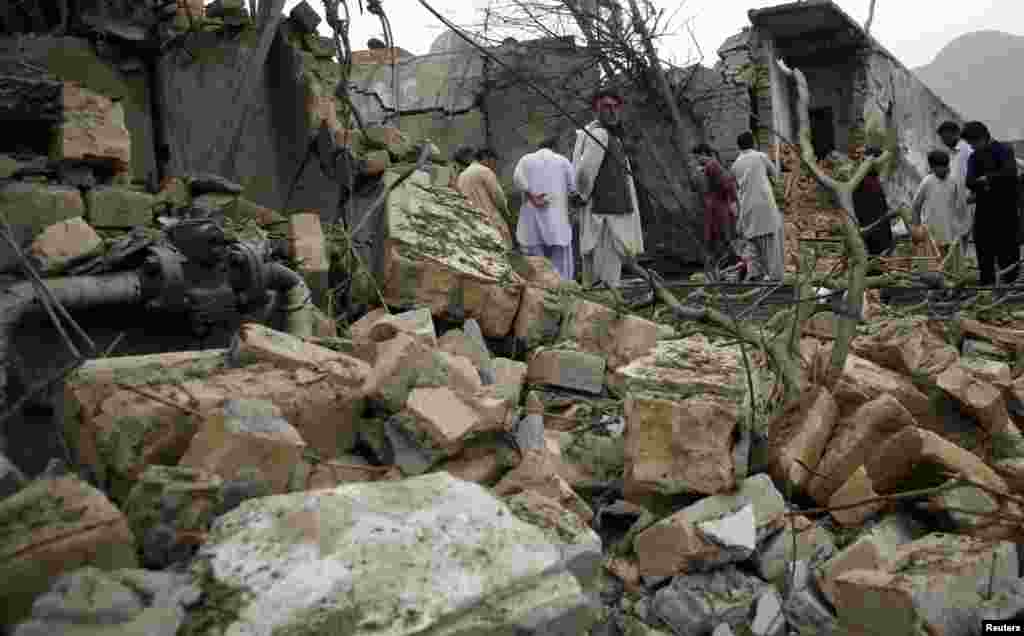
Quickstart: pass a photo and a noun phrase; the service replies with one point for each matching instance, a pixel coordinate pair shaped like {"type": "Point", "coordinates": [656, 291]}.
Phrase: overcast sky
{"type": "Point", "coordinates": [914, 30]}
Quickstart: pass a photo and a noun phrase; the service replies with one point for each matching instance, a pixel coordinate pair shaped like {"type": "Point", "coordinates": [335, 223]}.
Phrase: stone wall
{"type": "Point", "coordinates": [198, 92]}
{"type": "Point", "coordinates": [116, 75]}
{"type": "Point", "coordinates": [917, 111]}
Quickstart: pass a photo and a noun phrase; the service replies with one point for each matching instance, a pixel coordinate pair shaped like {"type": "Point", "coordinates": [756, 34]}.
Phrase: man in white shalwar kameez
{"type": "Point", "coordinates": [959, 154]}
{"type": "Point", "coordinates": [546, 180]}
{"type": "Point", "coordinates": [610, 229]}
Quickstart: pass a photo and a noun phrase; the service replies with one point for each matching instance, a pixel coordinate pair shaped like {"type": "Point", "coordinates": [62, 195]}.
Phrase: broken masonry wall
{"type": "Point", "coordinates": [721, 105]}
{"type": "Point", "coordinates": [517, 117]}
{"type": "Point", "coordinates": [114, 74]}
{"type": "Point", "coordinates": [198, 92]}
{"type": "Point", "coordinates": [917, 114]}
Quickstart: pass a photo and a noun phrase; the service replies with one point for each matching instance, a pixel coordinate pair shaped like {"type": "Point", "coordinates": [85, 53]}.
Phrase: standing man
{"type": "Point", "coordinates": [479, 183]}
{"type": "Point", "coordinates": [959, 154]}
{"type": "Point", "coordinates": [759, 220]}
{"type": "Point", "coordinates": [610, 229]}
{"type": "Point", "coordinates": [546, 179]}
{"type": "Point", "coordinates": [992, 177]}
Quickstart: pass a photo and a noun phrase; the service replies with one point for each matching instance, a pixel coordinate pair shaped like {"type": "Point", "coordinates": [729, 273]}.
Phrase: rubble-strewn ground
{"type": "Point", "coordinates": [488, 449]}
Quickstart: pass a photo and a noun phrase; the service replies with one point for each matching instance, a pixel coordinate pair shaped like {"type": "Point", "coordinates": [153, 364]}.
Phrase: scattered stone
{"type": "Point", "coordinates": [806, 611]}
{"type": "Point", "coordinates": [582, 546]}
{"type": "Point", "coordinates": [309, 251]}
{"type": "Point", "coordinates": [259, 343]}
{"type": "Point", "coordinates": [855, 438]}
{"type": "Point", "coordinates": [908, 347]}
{"type": "Point", "coordinates": [292, 556]}
{"type": "Point", "coordinates": [695, 603]}
{"type": "Point", "coordinates": [538, 472]}
{"type": "Point", "coordinates": [119, 207]}
{"type": "Point", "coordinates": [857, 488]}
{"type": "Point", "coordinates": [678, 446]}
{"type": "Point", "coordinates": [769, 619]}
{"type": "Point", "coordinates": [734, 533]}
{"type": "Point", "coordinates": [673, 545]}
{"type": "Point", "coordinates": [93, 129]}
{"type": "Point", "coordinates": [909, 459]}
{"type": "Point", "coordinates": [39, 206]}
{"type": "Point", "coordinates": [798, 436]}
{"type": "Point", "coordinates": [813, 543]}
{"type": "Point", "coordinates": [53, 526]}
{"type": "Point", "coordinates": [863, 381]}
{"type": "Point", "coordinates": [121, 415]}
{"type": "Point", "coordinates": [874, 550]}
{"type": "Point", "coordinates": [417, 323]}
{"type": "Point", "coordinates": [934, 583]}
{"type": "Point", "coordinates": [539, 319]}
{"type": "Point", "coordinates": [530, 431]}
{"type": "Point", "coordinates": [63, 244]}
{"type": "Point", "coordinates": [567, 369]}
{"type": "Point", "coordinates": [588, 460]}
{"type": "Point", "coordinates": [460, 271]}
{"type": "Point", "coordinates": [598, 329]}
{"type": "Point", "coordinates": [184, 499]}
{"type": "Point", "coordinates": [979, 397]}
{"type": "Point", "coordinates": [411, 457]}
{"type": "Point", "coordinates": [95, 602]}
{"type": "Point", "coordinates": [246, 435]}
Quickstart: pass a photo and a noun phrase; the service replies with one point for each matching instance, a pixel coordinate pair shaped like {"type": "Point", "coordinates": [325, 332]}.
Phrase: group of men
{"type": "Point", "coordinates": [741, 217]}
{"type": "Point", "coordinates": [974, 188]}
{"type": "Point", "coordinates": [597, 186]}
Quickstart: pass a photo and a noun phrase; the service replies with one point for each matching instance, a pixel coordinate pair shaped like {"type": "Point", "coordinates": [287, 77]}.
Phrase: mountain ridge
{"type": "Point", "coordinates": [977, 74]}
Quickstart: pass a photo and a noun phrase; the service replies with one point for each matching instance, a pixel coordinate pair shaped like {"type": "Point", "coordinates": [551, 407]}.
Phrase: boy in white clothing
{"type": "Point", "coordinates": [938, 205]}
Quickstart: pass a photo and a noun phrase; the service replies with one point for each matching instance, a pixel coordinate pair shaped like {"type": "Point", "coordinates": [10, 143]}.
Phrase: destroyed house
{"type": "Point", "coordinates": [852, 79]}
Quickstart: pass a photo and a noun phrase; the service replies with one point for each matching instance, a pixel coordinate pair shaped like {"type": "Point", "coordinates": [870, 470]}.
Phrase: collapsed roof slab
{"type": "Point", "coordinates": [809, 28]}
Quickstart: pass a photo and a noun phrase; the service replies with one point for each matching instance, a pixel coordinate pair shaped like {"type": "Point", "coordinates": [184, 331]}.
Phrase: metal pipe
{"type": "Point", "coordinates": [74, 293]}
{"type": "Point", "coordinates": [294, 298]}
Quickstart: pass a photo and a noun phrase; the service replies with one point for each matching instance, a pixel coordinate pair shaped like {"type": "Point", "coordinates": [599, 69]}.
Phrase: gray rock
{"type": "Point", "coordinates": [429, 554]}
{"type": "Point", "coordinates": [530, 432]}
{"type": "Point", "coordinates": [206, 183]}
{"type": "Point", "coordinates": [487, 372]}
{"type": "Point", "coordinates": [11, 478]}
{"type": "Point", "coordinates": [256, 416]}
{"type": "Point", "coordinates": [806, 608]}
{"type": "Point", "coordinates": [736, 532]}
{"type": "Point", "coordinates": [696, 603]}
{"type": "Point", "coordinates": [411, 457]}
{"type": "Point", "coordinates": [769, 619]}
{"type": "Point", "coordinates": [118, 603]}
{"type": "Point", "coordinates": [814, 544]}
{"type": "Point", "coordinates": [723, 629]}
{"type": "Point", "coordinates": [305, 17]}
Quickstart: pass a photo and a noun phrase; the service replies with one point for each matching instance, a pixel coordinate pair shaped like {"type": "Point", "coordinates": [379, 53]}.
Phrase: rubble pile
{"type": "Point", "coordinates": [488, 448]}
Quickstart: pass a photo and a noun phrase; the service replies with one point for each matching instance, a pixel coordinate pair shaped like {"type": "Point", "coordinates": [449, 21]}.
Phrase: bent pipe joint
{"type": "Point", "coordinates": [293, 298]}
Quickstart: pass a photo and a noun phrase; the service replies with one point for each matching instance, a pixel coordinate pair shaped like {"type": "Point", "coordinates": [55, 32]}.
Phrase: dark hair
{"type": "Point", "coordinates": [703, 149]}
{"type": "Point", "coordinates": [938, 158]}
{"type": "Point", "coordinates": [949, 126]}
{"type": "Point", "coordinates": [486, 153]}
{"type": "Point", "coordinates": [745, 141]}
{"type": "Point", "coordinates": [549, 142]}
{"type": "Point", "coordinates": [464, 154]}
{"type": "Point", "coordinates": [606, 92]}
{"type": "Point", "coordinates": [974, 131]}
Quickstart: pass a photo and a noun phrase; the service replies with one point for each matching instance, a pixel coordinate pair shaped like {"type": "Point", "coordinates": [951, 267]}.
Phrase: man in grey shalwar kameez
{"type": "Point", "coordinates": [610, 229]}
{"type": "Point", "coordinates": [759, 220]}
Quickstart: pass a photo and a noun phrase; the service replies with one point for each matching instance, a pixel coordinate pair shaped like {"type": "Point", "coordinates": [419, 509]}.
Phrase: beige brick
{"type": "Point", "coordinates": [567, 369]}
{"type": "Point", "coordinates": [63, 243]}
{"type": "Point", "coordinates": [309, 250]}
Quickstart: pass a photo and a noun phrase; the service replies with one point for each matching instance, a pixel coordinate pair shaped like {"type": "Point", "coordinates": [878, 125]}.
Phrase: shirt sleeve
{"type": "Point", "coordinates": [496, 191]}
{"type": "Point", "coordinates": [770, 167]}
{"type": "Point", "coordinates": [918, 203]}
{"type": "Point", "coordinates": [971, 180]}
{"type": "Point", "coordinates": [519, 178]}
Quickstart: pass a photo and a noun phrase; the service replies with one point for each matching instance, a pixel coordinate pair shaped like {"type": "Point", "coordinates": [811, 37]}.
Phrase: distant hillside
{"type": "Point", "coordinates": [979, 74]}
